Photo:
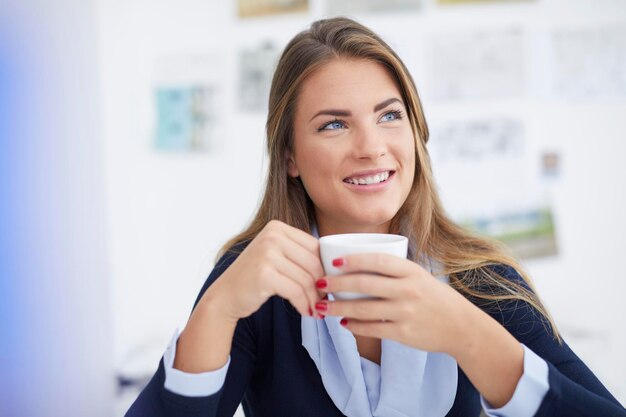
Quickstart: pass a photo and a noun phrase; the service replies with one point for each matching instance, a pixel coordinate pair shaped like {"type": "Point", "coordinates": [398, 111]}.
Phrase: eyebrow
{"type": "Point", "coordinates": [345, 113]}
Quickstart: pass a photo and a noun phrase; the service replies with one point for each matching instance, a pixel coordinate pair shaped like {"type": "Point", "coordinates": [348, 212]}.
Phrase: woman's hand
{"type": "Point", "coordinates": [419, 311]}
{"type": "Point", "coordinates": [412, 307]}
{"type": "Point", "coordinates": [280, 260]}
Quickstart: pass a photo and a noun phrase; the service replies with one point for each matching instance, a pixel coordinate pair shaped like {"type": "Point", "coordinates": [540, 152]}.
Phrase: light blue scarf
{"type": "Point", "coordinates": [408, 383]}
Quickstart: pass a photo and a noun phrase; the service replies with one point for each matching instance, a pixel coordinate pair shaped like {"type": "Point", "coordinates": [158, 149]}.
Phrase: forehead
{"type": "Point", "coordinates": [343, 82]}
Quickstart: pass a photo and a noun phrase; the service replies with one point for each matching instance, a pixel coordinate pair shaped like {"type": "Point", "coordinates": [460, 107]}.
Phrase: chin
{"type": "Point", "coordinates": [375, 219]}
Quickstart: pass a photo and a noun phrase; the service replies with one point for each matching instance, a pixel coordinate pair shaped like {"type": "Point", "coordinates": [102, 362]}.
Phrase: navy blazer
{"type": "Point", "coordinates": [272, 374]}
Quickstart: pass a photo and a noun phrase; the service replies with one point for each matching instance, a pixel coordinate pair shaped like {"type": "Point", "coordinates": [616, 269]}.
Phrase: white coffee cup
{"type": "Point", "coordinates": [337, 246]}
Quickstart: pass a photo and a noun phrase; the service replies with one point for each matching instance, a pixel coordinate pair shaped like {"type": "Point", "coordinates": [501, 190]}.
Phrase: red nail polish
{"type": "Point", "coordinates": [344, 321]}
{"type": "Point", "coordinates": [321, 306]}
{"type": "Point", "coordinates": [321, 283]}
{"type": "Point", "coordinates": [310, 312]}
{"type": "Point", "coordinates": [338, 262]}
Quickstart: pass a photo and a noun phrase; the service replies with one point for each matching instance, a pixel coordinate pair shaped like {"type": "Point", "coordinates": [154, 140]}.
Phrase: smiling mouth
{"type": "Point", "coordinates": [370, 179]}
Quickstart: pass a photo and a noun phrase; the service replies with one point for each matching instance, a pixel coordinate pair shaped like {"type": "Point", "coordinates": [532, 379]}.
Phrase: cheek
{"type": "Point", "coordinates": [408, 158]}
{"type": "Point", "coordinates": [412, 159]}
{"type": "Point", "coordinates": [322, 162]}
{"type": "Point", "coordinates": [405, 153]}
{"type": "Point", "coordinates": [410, 151]}
{"type": "Point", "coordinates": [317, 169]}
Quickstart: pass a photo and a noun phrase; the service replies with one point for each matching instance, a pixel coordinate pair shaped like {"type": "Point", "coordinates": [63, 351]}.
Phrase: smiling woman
{"type": "Point", "coordinates": [340, 161]}
{"type": "Point", "coordinates": [346, 138]}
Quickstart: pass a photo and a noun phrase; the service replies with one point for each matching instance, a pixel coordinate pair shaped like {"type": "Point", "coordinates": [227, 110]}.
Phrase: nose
{"type": "Point", "coordinates": [367, 144]}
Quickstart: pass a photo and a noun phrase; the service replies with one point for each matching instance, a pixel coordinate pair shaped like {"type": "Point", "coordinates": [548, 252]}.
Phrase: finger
{"type": "Point", "coordinates": [310, 263]}
{"type": "Point", "coordinates": [301, 248]}
{"type": "Point", "coordinates": [293, 292]}
{"type": "Point", "coordinates": [277, 235]}
{"type": "Point", "coordinates": [381, 263]}
{"type": "Point", "coordinates": [377, 329]}
{"type": "Point", "coordinates": [363, 283]}
{"type": "Point", "coordinates": [360, 309]}
{"type": "Point", "coordinates": [299, 237]}
{"type": "Point", "coordinates": [295, 273]}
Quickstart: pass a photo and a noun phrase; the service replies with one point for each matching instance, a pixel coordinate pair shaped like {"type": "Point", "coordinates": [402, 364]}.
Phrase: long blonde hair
{"type": "Point", "coordinates": [466, 258]}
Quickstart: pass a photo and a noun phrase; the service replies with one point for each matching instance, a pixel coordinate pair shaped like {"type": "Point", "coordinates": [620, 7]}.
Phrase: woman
{"type": "Point", "coordinates": [347, 145]}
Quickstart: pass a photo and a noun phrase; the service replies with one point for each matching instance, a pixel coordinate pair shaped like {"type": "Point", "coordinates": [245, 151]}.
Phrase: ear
{"type": "Point", "coordinates": [292, 170]}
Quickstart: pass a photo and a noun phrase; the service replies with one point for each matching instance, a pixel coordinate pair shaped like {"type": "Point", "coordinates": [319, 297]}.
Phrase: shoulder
{"type": "Point", "coordinates": [508, 273]}
{"type": "Point", "coordinates": [508, 298]}
{"type": "Point", "coordinates": [495, 282]}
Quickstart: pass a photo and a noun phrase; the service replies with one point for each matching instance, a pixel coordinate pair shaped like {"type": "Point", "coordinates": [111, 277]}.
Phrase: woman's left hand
{"type": "Point", "coordinates": [412, 307]}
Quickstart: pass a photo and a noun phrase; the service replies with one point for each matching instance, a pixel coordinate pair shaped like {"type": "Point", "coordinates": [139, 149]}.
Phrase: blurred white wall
{"type": "Point", "coordinates": [168, 213]}
{"type": "Point", "coordinates": [56, 350]}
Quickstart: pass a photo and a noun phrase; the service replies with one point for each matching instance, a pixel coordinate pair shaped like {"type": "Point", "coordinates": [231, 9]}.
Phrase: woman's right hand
{"type": "Point", "coordinates": [281, 260]}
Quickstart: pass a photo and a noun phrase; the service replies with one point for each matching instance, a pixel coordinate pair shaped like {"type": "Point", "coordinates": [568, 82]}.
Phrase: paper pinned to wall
{"type": "Point", "coordinates": [348, 7]}
{"type": "Point", "coordinates": [528, 233]}
{"type": "Point", "coordinates": [253, 8]}
{"type": "Point", "coordinates": [487, 185]}
{"type": "Point", "coordinates": [477, 160]}
{"type": "Point", "coordinates": [590, 62]}
{"type": "Point", "coordinates": [550, 165]}
{"type": "Point", "coordinates": [185, 94]}
{"type": "Point", "coordinates": [476, 1]}
{"type": "Point", "coordinates": [185, 115]}
{"type": "Point", "coordinates": [256, 68]}
{"type": "Point", "coordinates": [476, 65]}
{"type": "Point", "coordinates": [480, 139]}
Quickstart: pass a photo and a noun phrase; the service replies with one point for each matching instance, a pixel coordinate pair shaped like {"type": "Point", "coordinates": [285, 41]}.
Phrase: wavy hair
{"type": "Point", "coordinates": [470, 261]}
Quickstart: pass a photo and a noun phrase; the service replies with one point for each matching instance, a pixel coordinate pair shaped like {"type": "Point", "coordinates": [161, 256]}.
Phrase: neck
{"type": "Point", "coordinates": [325, 228]}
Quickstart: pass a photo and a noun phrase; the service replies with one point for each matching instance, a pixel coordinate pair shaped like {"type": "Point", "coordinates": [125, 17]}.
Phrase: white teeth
{"type": "Point", "coordinates": [372, 179]}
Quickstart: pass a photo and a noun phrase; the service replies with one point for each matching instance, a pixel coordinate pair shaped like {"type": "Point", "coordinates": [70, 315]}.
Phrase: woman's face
{"type": "Point", "coordinates": [353, 147]}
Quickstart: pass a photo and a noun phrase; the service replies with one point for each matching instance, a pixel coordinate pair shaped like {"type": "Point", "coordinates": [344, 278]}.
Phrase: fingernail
{"type": "Point", "coordinates": [321, 316]}
{"type": "Point", "coordinates": [321, 283]}
{"type": "Point", "coordinates": [338, 262]}
{"type": "Point", "coordinates": [344, 321]}
{"type": "Point", "coordinates": [310, 312]}
{"type": "Point", "coordinates": [321, 306]}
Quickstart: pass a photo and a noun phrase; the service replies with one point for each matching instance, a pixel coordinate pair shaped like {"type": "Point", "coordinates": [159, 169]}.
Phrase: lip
{"type": "Point", "coordinates": [381, 186]}
{"type": "Point", "coordinates": [369, 172]}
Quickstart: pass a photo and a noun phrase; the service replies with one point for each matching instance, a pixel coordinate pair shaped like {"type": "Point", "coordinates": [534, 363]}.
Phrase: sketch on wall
{"type": "Point", "coordinates": [475, 65]}
{"type": "Point", "coordinates": [488, 186]}
{"type": "Point", "coordinates": [550, 165]}
{"type": "Point", "coordinates": [185, 95]}
{"type": "Point", "coordinates": [256, 67]}
{"type": "Point", "coordinates": [184, 117]}
{"type": "Point", "coordinates": [253, 8]}
{"type": "Point", "coordinates": [477, 1]}
{"type": "Point", "coordinates": [348, 7]}
{"type": "Point", "coordinates": [590, 63]}
{"type": "Point", "coordinates": [528, 233]}
{"type": "Point", "coordinates": [478, 139]}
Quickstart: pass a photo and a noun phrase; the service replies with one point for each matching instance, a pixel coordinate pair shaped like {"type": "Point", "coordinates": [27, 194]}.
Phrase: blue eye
{"type": "Point", "coordinates": [335, 124]}
{"type": "Point", "coordinates": [391, 116]}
